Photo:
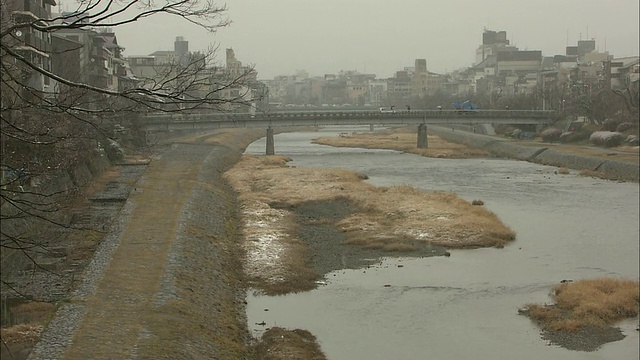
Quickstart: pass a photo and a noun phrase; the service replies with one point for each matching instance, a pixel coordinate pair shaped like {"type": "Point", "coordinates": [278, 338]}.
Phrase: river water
{"type": "Point", "coordinates": [464, 306]}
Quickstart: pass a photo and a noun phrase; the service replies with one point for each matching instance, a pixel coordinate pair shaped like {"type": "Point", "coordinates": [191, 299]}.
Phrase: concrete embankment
{"type": "Point", "coordinates": [508, 148]}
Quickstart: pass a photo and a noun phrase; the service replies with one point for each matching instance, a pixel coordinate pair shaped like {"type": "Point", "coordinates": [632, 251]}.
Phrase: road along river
{"type": "Point", "coordinates": [464, 306]}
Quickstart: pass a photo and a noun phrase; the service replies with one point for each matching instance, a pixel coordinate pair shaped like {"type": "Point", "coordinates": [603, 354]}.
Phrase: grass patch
{"type": "Point", "coordinates": [403, 139]}
{"type": "Point", "coordinates": [22, 333]}
{"type": "Point", "coordinates": [279, 344]}
{"type": "Point", "coordinates": [597, 174]}
{"type": "Point", "coordinates": [588, 303]}
{"type": "Point", "coordinates": [563, 171]}
{"type": "Point", "coordinates": [622, 153]}
{"type": "Point", "coordinates": [390, 219]}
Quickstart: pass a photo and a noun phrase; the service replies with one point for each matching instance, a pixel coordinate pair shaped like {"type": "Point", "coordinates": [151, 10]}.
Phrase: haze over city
{"type": "Point", "coordinates": [383, 36]}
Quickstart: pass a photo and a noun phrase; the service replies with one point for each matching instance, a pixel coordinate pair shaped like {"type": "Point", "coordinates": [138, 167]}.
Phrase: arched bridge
{"type": "Point", "coordinates": [216, 120]}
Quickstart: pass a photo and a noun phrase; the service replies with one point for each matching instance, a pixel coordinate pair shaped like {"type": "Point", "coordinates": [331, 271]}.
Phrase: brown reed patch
{"type": "Point", "coordinates": [597, 174]}
{"type": "Point", "coordinates": [279, 344]}
{"type": "Point", "coordinates": [390, 219]}
{"type": "Point", "coordinates": [21, 333]}
{"type": "Point", "coordinates": [593, 302]}
{"type": "Point", "coordinates": [403, 139]}
{"type": "Point", "coordinates": [34, 311]}
{"type": "Point", "coordinates": [563, 171]}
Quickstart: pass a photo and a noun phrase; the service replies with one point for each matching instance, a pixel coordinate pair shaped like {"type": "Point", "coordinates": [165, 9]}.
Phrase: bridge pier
{"type": "Point", "coordinates": [270, 147]}
{"type": "Point", "coordinates": [422, 137]}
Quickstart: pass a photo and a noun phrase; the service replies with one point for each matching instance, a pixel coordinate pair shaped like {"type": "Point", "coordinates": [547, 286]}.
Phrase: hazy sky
{"type": "Point", "coordinates": [383, 36]}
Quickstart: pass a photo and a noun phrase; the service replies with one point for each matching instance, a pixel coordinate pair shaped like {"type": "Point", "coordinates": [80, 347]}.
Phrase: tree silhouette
{"type": "Point", "coordinates": [56, 111]}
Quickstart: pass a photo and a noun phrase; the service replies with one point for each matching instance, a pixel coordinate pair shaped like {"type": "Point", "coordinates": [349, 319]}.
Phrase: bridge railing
{"type": "Point", "coordinates": [363, 114]}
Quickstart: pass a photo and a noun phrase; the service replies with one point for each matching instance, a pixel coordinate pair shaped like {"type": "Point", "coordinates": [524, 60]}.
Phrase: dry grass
{"type": "Point", "coordinates": [595, 302]}
{"type": "Point", "coordinates": [22, 333]}
{"type": "Point", "coordinates": [34, 311]}
{"type": "Point", "coordinates": [403, 139]}
{"type": "Point", "coordinates": [597, 174]}
{"type": "Point", "coordinates": [226, 136]}
{"type": "Point", "coordinates": [563, 171]}
{"type": "Point", "coordinates": [389, 219]}
{"type": "Point", "coordinates": [281, 344]}
{"type": "Point", "coordinates": [621, 153]}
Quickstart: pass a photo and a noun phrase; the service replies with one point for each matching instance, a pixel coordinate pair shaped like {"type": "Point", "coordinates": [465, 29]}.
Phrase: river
{"type": "Point", "coordinates": [464, 306]}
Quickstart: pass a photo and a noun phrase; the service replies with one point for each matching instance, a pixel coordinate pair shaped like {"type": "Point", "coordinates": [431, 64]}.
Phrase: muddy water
{"type": "Point", "coordinates": [465, 306]}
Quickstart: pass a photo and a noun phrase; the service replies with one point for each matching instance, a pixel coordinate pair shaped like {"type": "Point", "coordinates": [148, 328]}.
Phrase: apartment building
{"type": "Point", "coordinates": [622, 73]}
{"type": "Point", "coordinates": [91, 57]}
{"type": "Point", "coordinates": [28, 42]}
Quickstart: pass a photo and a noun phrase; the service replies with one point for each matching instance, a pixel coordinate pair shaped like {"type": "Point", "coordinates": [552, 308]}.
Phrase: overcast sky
{"type": "Point", "coordinates": [383, 36]}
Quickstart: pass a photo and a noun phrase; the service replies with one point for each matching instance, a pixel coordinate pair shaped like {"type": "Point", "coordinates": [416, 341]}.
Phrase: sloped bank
{"type": "Point", "coordinates": [198, 310]}
{"type": "Point", "coordinates": [613, 169]}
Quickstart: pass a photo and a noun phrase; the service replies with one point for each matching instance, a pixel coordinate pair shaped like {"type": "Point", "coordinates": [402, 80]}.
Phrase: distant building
{"type": "Point", "coordinates": [518, 62]}
{"type": "Point", "coordinates": [622, 73]}
{"type": "Point", "coordinates": [91, 57]}
{"type": "Point", "coordinates": [492, 43]}
{"type": "Point", "coordinates": [29, 42]}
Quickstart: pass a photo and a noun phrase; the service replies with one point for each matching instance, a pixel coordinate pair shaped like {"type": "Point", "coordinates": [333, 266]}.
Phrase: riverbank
{"type": "Point", "coordinates": [594, 161]}
{"type": "Point", "coordinates": [452, 143]}
{"type": "Point", "coordinates": [143, 293]}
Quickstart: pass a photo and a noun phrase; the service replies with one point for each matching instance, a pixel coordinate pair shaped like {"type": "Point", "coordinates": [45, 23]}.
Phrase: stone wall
{"type": "Point", "coordinates": [41, 190]}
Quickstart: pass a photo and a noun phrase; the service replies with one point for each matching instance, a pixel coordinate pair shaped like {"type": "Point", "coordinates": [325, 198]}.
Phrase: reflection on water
{"type": "Point", "coordinates": [465, 306]}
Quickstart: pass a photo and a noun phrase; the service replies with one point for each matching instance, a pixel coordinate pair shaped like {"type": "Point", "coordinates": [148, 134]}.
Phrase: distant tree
{"type": "Point", "coordinates": [630, 95]}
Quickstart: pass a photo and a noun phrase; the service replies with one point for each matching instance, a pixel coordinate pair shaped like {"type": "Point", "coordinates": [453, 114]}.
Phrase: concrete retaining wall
{"type": "Point", "coordinates": [541, 155]}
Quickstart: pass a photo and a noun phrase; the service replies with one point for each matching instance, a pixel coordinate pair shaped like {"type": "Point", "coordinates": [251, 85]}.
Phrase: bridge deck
{"type": "Point", "coordinates": [354, 117]}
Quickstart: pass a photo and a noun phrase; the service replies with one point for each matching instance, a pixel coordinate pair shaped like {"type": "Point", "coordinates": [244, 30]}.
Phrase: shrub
{"type": "Point", "coordinates": [573, 136]}
{"type": "Point", "coordinates": [516, 133]}
{"type": "Point", "coordinates": [607, 138]}
{"type": "Point", "coordinates": [610, 125]}
{"type": "Point", "coordinates": [114, 151]}
{"type": "Point", "coordinates": [622, 127]}
{"type": "Point", "coordinates": [632, 140]}
{"type": "Point", "coordinates": [551, 134]}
